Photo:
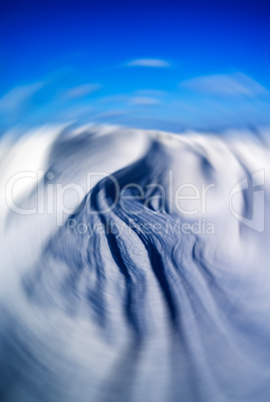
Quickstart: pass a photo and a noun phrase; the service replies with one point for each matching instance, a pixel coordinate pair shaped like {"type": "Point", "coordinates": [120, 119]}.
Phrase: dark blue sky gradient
{"type": "Point", "coordinates": [66, 44]}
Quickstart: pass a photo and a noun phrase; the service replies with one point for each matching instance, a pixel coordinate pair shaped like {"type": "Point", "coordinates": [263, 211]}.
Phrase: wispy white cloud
{"type": "Point", "coordinates": [18, 96]}
{"type": "Point", "coordinates": [150, 93]}
{"type": "Point", "coordinates": [111, 114]}
{"type": "Point", "coordinates": [225, 84]}
{"type": "Point", "coordinates": [118, 98]}
{"type": "Point", "coordinates": [81, 90]}
{"type": "Point", "coordinates": [140, 100]}
{"type": "Point", "coordinates": [148, 63]}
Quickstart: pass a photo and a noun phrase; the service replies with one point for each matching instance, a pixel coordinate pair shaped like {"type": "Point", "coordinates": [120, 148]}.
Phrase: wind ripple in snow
{"type": "Point", "coordinates": [134, 300]}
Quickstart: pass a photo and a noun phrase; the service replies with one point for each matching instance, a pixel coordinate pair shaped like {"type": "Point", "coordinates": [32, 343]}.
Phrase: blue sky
{"type": "Point", "coordinates": [154, 64]}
